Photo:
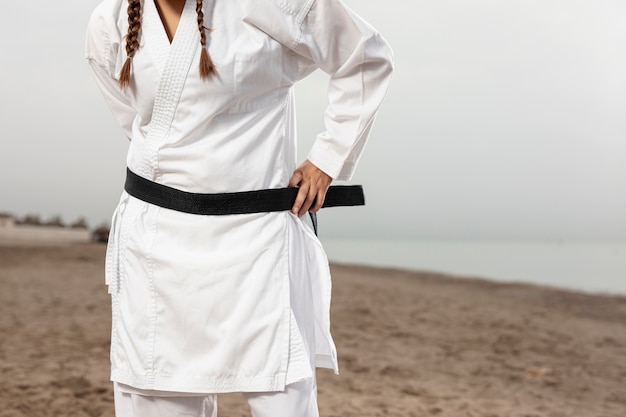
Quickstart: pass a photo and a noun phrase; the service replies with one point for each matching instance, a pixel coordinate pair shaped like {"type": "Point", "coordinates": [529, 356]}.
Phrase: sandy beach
{"type": "Point", "coordinates": [410, 344]}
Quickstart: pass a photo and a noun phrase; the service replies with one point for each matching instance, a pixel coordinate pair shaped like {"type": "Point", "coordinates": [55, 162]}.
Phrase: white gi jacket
{"type": "Point", "coordinates": [210, 304]}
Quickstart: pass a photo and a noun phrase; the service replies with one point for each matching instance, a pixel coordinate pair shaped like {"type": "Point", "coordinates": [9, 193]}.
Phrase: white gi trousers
{"type": "Point", "coordinates": [297, 400]}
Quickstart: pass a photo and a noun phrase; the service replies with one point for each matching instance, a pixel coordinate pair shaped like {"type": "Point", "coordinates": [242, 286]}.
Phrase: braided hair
{"type": "Point", "coordinates": [207, 68]}
{"type": "Point", "coordinates": [132, 39]}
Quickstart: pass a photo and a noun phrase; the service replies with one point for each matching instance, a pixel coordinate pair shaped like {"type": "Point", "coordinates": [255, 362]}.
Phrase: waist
{"type": "Point", "coordinates": [241, 202]}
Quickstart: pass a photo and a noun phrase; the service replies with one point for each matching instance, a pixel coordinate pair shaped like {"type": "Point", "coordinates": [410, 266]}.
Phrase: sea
{"type": "Point", "coordinates": [588, 267]}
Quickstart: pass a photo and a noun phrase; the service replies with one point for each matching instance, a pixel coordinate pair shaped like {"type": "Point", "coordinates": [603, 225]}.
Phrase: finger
{"type": "Point", "coordinates": [296, 178]}
{"type": "Point", "coordinates": [308, 201]}
{"type": "Point", "coordinates": [319, 200]}
{"type": "Point", "coordinates": [300, 198]}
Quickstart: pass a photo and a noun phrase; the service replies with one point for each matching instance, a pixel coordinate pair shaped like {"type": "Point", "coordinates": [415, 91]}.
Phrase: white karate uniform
{"type": "Point", "coordinates": [236, 303]}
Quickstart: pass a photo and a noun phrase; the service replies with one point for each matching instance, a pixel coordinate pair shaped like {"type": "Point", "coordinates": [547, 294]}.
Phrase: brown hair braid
{"type": "Point", "coordinates": [132, 39]}
{"type": "Point", "coordinates": [207, 68]}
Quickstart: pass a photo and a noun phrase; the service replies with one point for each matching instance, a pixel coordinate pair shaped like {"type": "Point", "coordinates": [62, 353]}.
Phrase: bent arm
{"type": "Point", "coordinates": [359, 62]}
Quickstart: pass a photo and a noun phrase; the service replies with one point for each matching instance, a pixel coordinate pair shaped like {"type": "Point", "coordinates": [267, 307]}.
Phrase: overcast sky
{"type": "Point", "coordinates": [506, 120]}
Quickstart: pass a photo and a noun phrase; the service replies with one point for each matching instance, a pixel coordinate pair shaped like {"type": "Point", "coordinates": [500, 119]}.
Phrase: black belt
{"type": "Point", "coordinates": [242, 202]}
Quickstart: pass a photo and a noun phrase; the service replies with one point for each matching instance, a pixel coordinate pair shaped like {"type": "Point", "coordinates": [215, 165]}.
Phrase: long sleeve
{"type": "Point", "coordinates": [327, 35]}
{"type": "Point", "coordinates": [99, 51]}
{"type": "Point", "coordinates": [359, 62]}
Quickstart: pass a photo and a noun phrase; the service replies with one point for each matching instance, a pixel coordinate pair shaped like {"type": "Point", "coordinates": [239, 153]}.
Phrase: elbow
{"type": "Point", "coordinates": [386, 57]}
{"type": "Point", "coordinates": [379, 62]}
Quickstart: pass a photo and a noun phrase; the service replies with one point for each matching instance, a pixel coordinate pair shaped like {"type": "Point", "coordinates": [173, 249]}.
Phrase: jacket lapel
{"type": "Point", "coordinates": [174, 62]}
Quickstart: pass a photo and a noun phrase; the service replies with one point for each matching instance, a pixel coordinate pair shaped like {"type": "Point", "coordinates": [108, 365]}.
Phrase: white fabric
{"type": "Point", "coordinates": [297, 400]}
{"type": "Point", "coordinates": [211, 304]}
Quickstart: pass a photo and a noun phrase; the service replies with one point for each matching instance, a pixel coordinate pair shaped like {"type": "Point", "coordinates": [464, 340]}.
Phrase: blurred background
{"type": "Point", "coordinates": [499, 152]}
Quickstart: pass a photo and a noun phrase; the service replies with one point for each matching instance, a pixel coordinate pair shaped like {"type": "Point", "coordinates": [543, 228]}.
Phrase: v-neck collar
{"type": "Point", "coordinates": [165, 24]}
{"type": "Point", "coordinates": [159, 43]}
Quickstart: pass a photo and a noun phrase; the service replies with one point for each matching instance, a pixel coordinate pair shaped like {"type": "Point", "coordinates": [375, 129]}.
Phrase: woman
{"type": "Point", "coordinates": [235, 302]}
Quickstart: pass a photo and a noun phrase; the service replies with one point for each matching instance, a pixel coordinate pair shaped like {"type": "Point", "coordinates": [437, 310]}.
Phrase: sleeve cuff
{"type": "Point", "coordinates": [332, 164]}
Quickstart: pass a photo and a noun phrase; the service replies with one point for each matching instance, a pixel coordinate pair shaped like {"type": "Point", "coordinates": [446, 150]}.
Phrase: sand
{"type": "Point", "coordinates": [410, 344]}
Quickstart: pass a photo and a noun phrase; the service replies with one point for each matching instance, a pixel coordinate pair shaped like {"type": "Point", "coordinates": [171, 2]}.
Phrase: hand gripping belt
{"type": "Point", "coordinates": [243, 202]}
